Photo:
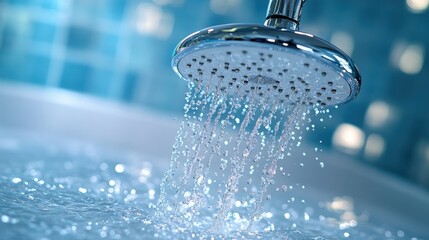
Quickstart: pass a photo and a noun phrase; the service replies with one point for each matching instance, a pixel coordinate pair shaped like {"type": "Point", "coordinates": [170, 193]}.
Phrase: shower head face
{"type": "Point", "coordinates": [287, 66]}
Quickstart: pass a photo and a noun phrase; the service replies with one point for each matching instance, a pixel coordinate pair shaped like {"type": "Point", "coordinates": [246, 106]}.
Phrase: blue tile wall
{"type": "Point", "coordinates": [36, 69]}
{"type": "Point", "coordinates": [81, 38]}
{"type": "Point", "coordinates": [43, 32]}
{"type": "Point", "coordinates": [10, 65]}
{"type": "Point", "coordinates": [76, 76]}
{"type": "Point", "coordinates": [130, 85]}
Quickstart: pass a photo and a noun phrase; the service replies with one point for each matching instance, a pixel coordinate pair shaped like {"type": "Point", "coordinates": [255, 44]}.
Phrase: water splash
{"type": "Point", "coordinates": [224, 139]}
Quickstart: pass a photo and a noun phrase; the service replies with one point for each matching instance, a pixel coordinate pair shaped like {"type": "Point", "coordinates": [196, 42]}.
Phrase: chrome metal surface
{"type": "Point", "coordinates": [284, 14]}
{"type": "Point", "coordinates": [318, 66]}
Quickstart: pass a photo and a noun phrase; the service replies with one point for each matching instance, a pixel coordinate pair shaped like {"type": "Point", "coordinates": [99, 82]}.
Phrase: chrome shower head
{"type": "Point", "coordinates": [274, 59]}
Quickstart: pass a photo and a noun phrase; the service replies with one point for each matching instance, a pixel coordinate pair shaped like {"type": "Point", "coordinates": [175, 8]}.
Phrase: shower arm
{"type": "Point", "coordinates": [284, 14]}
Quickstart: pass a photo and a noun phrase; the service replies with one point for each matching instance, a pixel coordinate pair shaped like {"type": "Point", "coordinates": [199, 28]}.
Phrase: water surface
{"type": "Point", "coordinates": [62, 189]}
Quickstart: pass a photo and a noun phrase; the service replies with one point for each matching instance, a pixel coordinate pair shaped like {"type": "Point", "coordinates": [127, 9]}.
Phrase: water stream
{"type": "Point", "coordinates": [222, 139]}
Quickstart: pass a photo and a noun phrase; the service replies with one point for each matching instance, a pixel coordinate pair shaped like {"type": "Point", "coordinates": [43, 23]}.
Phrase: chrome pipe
{"type": "Point", "coordinates": [284, 14]}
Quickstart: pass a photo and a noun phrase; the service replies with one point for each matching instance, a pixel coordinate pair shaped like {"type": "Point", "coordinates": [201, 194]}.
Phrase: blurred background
{"type": "Point", "coordinates": [120, 50]}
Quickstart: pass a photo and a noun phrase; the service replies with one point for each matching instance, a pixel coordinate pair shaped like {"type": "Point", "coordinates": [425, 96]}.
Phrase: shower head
{"type": "Point", "coordinates": [274, 60]}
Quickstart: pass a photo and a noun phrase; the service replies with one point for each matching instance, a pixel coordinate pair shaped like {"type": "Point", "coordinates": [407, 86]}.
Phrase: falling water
{"type": "Point", "coordinates": [227, 151]}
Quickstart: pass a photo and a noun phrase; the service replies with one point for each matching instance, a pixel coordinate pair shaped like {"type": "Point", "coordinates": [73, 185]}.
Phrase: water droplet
{"type": "Point", "coordinates": [119, 168]}
{"type": "Point", "coordinates": [16, 180]}
{"type": "Point", "coordinates": [246, 152]}
{"type": "Point", "coordinates": [5, 219]}
{"type": "Point", "coordinates": [306, 217]}
{"type": "Point", "coordinates": [104, 166]}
